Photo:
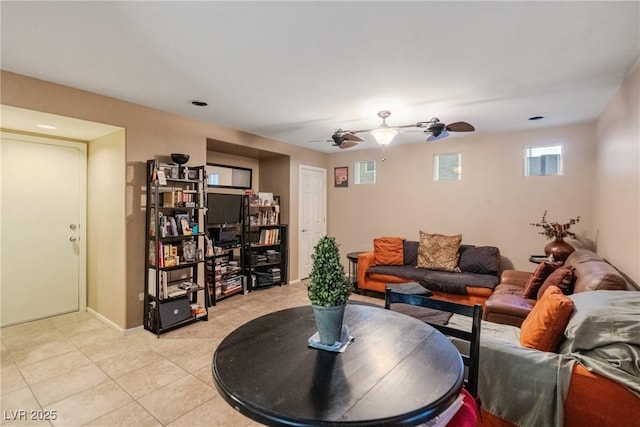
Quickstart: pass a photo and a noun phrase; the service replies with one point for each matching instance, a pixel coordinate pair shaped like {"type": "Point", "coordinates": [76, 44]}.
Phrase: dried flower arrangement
{"type": "Point", "coordinates": [555, 229]}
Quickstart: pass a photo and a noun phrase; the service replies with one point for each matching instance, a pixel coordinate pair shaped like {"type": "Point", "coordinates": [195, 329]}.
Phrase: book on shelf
{"type": "Point", "coordinates": [174, 291]}
{"type": "Point", "coordinates": [269, 236]}
{"type": "Point", "coordinates": [168, 200]}
{"type": "Point", "coordinates": [152, 253]}
{"type": "Point", "coordinates": [152, 283]}
{"type": "Point", "coordinates": [162, 178]}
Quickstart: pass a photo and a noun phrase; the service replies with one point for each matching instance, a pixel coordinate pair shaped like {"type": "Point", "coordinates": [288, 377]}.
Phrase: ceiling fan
{"type": "Point", "coordinates": [342, 139]}
{"type": "Point", "coordinates": [385, 134]}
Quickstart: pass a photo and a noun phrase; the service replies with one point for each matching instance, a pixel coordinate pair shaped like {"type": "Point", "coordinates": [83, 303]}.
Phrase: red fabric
{"type": "Point", "coordinates": [467, 415]}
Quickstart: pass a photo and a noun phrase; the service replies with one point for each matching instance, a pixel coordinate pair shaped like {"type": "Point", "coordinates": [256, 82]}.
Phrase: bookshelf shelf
{"type": "Point", "coordinates": [174, 296]}
{"type": "Point", "coordinates": [265, 243]}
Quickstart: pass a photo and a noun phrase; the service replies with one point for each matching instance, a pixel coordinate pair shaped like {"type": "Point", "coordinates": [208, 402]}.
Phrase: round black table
{"type": "Point", "coordinates": [398, 370]}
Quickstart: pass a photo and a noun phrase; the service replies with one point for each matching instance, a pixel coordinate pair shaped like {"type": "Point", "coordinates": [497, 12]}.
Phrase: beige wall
{"type": "Point", "coordinates": [493, 204]}
{"type": "Point", "coordinates": [106, 249]}
{"type": "Point", "coordinates": [149, 132]}
{"type": "Point", "coordinates": [617, 183]}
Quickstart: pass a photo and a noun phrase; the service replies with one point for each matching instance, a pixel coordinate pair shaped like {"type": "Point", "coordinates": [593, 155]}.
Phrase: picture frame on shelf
{"type": "Point", "coordinates": [192, 174]}
{"type": "Point", "coordinates": [266, 199]}
{"type": "Point", "coordinates": [189, 250]}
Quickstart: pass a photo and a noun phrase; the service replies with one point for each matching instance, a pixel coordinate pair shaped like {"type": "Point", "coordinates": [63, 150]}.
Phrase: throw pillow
{"type": "Point", "coordinates": [480, 260]}
{"type": "Point", "coordinates": [439, 252]}
{"type": "Point", "coordinates": [410, 252]}
{"type": "Point", "coordinates": [543, 328]}
{"type": "Point", "coordinates": [537, 279]}
{"type": "Point", "coordinates": [388, 251]}
{"type": "Point", "coordinates": [562, 277]}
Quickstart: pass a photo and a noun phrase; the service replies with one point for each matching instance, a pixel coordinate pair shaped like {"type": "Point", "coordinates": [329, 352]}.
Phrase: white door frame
{"type": "Point", "coordinates": [82, 230]}
{"type": "Point", "coordinates": [300, 210]}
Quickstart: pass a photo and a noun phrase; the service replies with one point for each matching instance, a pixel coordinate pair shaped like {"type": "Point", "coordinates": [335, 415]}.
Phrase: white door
{"type": "Point", "coordinates": [43, 185]}
{"type": "Point", "coordinates": [312, 214]}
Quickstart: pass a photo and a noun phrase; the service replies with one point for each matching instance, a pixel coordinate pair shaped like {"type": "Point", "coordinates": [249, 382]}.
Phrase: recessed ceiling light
{"type": "Point", "coordinates": [47, 127]}
{"type": "Point", "coordinates": [536, 117]}
{"type": "Point", "coordinates": [199, 103]}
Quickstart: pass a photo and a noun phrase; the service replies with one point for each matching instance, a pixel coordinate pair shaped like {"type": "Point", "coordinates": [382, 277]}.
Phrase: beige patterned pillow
{"type": "Point", "coordinates": [438, 252]}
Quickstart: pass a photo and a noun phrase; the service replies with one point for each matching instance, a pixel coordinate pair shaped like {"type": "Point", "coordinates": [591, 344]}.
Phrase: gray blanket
{"type": "Point", "coordinates": [528, 387]}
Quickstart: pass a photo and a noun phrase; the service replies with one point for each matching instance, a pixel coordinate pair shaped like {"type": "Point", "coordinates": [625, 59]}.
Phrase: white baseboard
{"type": "Point", "coordinates": [113, 325]}
{"type": "Point", "coordinates": [293, 282]}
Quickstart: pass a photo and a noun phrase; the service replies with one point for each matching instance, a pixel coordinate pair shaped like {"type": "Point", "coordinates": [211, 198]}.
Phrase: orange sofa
{"type": "Point", "coordinates": [476, 288]}
{"type": "Point", "coordinates": [593, 400]}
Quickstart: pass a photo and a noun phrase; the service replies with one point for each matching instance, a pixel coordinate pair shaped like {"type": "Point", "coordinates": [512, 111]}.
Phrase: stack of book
{"type": "Point", "coordinates": [269, 236]}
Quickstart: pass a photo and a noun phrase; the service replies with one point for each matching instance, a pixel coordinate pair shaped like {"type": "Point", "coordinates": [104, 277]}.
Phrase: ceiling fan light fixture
{"type": "Point", "coordinates": [384, 135]}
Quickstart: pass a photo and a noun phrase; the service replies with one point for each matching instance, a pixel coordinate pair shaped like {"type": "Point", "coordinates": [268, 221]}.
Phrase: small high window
{"type": "Point", "coordinates": [366, 172]}
{"type": "Point", "coordinates": [447, 167]}
{"type": "Point", "coordinates": [543, 161]}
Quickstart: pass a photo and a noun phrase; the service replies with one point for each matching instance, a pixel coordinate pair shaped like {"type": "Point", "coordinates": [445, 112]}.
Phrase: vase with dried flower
{"type": "Point", "coordinates": [557, 249]}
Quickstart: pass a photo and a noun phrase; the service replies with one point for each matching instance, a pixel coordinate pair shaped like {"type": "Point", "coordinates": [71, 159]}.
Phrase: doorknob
{"type": "Point", "coordinates": [72, 226]}
{"type": "Point", "coordinates": [73, 239]}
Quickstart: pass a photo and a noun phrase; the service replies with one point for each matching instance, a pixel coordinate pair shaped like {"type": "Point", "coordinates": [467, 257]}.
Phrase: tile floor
{"type": "Point", "coordinates": [88, 374]}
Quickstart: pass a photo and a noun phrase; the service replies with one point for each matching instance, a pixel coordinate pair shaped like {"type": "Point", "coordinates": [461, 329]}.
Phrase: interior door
{"type": "Point", "coordinates": [312, 214]}
{"type": "Point", "coordinates": [43, 186]}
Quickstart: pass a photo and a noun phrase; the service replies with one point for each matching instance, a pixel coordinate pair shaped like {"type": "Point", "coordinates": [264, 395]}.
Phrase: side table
{"type": "Point", "coordinates": [538, 259]}
{"type": "Point", "coordinates": [353, 268]}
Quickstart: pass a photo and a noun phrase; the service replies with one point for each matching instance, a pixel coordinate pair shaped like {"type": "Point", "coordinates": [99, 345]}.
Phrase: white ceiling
{"type": "Point", "coordinates": [297, 71]}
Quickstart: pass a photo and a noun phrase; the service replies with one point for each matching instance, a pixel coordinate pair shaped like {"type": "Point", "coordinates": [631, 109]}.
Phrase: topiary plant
{"type": "Point", "coordinates": [328, 284]}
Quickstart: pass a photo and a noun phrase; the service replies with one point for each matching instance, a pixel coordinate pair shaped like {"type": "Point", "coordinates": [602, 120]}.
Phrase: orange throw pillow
{"type": "Point", "coordinates": [388, 251]}
{"type": "Point", "coordinates": [537, 279]}
{"type": "Point", "coordinates": [543, 328]}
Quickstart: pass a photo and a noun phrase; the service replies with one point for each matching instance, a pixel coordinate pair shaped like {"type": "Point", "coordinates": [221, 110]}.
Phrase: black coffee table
{"type": "Point", "coordinates": [398, 370]}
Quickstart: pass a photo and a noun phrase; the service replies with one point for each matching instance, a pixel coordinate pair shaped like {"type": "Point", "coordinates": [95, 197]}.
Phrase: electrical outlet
{"type": "Point", "coordinates": [141, 296]}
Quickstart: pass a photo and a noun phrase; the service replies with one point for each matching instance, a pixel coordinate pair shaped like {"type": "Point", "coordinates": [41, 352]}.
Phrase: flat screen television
{"type": "Point", "coordinates": [224, 209]}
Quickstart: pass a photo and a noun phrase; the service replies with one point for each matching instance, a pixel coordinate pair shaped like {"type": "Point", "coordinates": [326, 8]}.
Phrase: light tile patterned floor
{"type": "Point", "coordinates": [91, 375]}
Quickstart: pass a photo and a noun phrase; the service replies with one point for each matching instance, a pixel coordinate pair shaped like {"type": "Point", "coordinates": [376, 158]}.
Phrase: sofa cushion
{"type": "Point", "coordinates": [388, 251]}
{"type": "Point", "coordinates": [543, 328]}
{"type": "Point", "coordinates": [480, 259]}
{"type": "Point", "coordinates": [508, 309]}
{"type": "Point", "coordinates": [562, 277]}
{"type": "Point", "coordinates": [455, 283]}
{"type": "Point", "coordinates": [438, 252]}
{"type": "Point", "coordinates": [410, 252]}
{"type": "Point", "coordinates": [508, 289]}
{"type": "Point", "coordinates": [543, 271]}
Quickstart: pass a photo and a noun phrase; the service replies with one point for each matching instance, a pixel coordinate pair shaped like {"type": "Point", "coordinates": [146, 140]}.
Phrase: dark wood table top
{"type": "Point", "coordinates": [353, 256]}
{"type": "Point", "coordinates": [398, 370]}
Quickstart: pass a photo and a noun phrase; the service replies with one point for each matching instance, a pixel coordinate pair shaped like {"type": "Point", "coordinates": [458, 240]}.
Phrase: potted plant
{"type": "Point", "coordinates": [558, 249]}
{"type": "Point", "coordinates": [328, 289]}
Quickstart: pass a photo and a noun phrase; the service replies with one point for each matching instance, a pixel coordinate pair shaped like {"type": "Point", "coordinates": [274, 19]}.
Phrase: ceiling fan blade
{"type": "Point", "coordinates": [460, 127]}
{"type": "Point", "coordinates": [320, 140]}
{"type": "Point", "coordinates": [438, 137]}
{"type": "Point", "coordinates": [347, 144]}
{"type": "Point", "coordinates": [350, 136]}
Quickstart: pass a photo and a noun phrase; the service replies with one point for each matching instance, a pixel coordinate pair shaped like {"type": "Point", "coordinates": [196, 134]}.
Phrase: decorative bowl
{"type": "Point", "coordinates": [180, 158]}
